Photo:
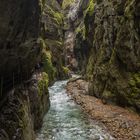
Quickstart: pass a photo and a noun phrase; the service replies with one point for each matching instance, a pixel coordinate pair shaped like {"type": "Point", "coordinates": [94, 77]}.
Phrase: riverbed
{"type": "Point", "coordinates": [66, 120]}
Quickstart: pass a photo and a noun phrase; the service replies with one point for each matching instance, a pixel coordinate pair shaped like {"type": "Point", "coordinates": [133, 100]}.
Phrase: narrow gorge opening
{"type": "Point", "coordinates": [69, 70]}
{"type": "Point", "coordinates": [66, 121]}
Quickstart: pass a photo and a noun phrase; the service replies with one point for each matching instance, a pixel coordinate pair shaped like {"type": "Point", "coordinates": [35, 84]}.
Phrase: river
{"type": "Point", "coordinates": [66, 121]}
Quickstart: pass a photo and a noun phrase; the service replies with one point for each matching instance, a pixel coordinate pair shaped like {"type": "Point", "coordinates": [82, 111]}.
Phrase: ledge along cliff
{"type": "Point", "coordinates": [42, 41]}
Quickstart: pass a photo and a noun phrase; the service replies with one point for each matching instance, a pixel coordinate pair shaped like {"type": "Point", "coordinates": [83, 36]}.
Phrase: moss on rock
{"type": "Point", "coordinates": [90, 9]}
{"type": "Point", "coordinates": [67, 3]}
{"type": "Point", "coordinates": [43, 83]}
{"type": "Point", "coordinates": [81, 30]}
{"type": "Point", "coordinates": [110, 33]}
{"type": "Point", "coordinates": [47, 64]}
{"type": "Point", "coordinates": [90, 68]}
{"type": "Point", "coordinates": [57, 16]}
{"type": "Point", "coordinates": [66, 70]}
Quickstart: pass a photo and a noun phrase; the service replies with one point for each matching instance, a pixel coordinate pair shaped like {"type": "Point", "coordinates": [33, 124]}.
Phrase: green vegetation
{"type": "Point", "coordinates": [46, 59]}
{"type": "Point", "coordinates": [42, 43]}
{"type": "Point", "coordinates": [43, 83]}
{"type": "Point", "coordinates": [108, 95]}
{"type": "Point", "coordinates": [65, 70]}
{"type": "Point", "coordinates": [134, 83]}
{"type": "Point", "coordinates": [47, 64]}
{"type": "Point", "coordinates": [129, 10]}
{"type": "Point", "coordinates": [42, 4]}
{"type": "Point", "coordinates": [90, 8]}
{"type": "Point", "coordinates": [57, 16]}
{"type": "Point", "coordinates": [90, 68]}
{"type": "Point", "coordinates": [133, 95]}
{"type": "Point", "coordinates": [67, 3]}
{"type": "Point", "coordinates": [55, 43]}
{"type": "Point", "coordinates": [81, 30]}
{"type": "Point", "coordinates": [135, 80]}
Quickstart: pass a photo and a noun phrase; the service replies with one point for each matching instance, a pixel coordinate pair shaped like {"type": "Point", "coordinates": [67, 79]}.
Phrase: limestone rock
{"type": "Point", "coordinates": [111, 38]}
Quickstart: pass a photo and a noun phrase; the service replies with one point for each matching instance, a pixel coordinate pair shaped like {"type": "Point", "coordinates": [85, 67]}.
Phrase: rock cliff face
{"type": "Point", "coordinates": [19, 33]}
{"type": "Point", "coordinates": [24, 109]}
{"type": "Point", "coordinates": [31, 39]}
{"type": "Point", "coordinates": [53, 36]}
{"type": "Point", "coordinates": [32, 56]}
{"type": "Point", "coordinates": [110, 34]}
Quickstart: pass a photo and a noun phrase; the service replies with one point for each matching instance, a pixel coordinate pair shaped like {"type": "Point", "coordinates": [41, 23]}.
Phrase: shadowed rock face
{"type": "Point", "coordinates": [23, 111]}
{"type": "Point", "coordinates": [60, 2]}
{"type": "Point", "coordinates": [19, 31]}
{"type": "Point", "coordinates": [22, 104]}
{"type": "Point", "coordinates": [112, 33]}
{"type": "Point", "coordinates": [53, 21]}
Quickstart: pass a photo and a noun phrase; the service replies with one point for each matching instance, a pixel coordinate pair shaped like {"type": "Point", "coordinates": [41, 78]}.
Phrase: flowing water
{"type": "Point", "coordinates": [66, 121]}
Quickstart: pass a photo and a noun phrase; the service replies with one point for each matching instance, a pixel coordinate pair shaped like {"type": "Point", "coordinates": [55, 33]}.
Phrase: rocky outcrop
{"type": "Point", "coordinates": [71, 9]}
{"type": "Point", "coordinates": [21, 106]}
{"type": "Point", "coordinates": [24, 109]}
{"type": "Point", "coordinates": [110, 32]}
{"type": "Point", "coordinates": [82, 46]}
{"type": "Point", "coordinates": [19, 45]}
{"type": "Point", "coordinates": [31, 40]}
{"type": "Point", "coordinates": [53, 36]}
{"type": "Point", "coordinates": [120, 122]}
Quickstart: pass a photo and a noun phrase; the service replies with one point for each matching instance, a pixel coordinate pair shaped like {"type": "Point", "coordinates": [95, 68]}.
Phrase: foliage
{"type": "Point", "coordinates": [81, 30]}
{"type": "Point", "coordinates": [47, 64]}
{"type": "Point", "coordinates": [67, 3]}
{"type": "Point", "coordinates": [90, 8]}
{"type": "Point", "coordinates": [43, 83]}
{"type": "Point", "coordinates": [57, 16]}
{"type": "Point", "coordinates": [65, 70]}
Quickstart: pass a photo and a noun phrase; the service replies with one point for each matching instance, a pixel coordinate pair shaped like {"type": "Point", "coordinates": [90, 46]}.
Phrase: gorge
{"type": "Point", "coordinates": [43, 44]}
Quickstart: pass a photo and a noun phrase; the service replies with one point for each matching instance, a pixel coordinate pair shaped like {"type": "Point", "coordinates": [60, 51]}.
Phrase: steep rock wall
{"type": "Point", "coordinates": [111, 31]}
{"type": "Point", "coordinates": [72, 26]}
{"type": "Point", "coordinates": [27, 30]}
{"type": "Point", "coordinates": [53, 36]}
{"type": "Point", "coordinates": [82, 46]}
{"type": "Point", "coordinates": [24, 109]}
{"type": "Point", "coordinates": [19, 46]}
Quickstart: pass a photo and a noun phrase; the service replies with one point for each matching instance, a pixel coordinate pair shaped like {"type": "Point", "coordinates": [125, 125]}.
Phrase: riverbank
{"type": "Point", "coordinates": [66, 121]}
{"type": "Point", "coordinates": [122, 123]}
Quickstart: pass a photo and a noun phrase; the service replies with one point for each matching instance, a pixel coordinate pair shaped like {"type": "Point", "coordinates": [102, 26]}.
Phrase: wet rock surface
{"type": "Point", "coordinates": [19, 33]}
{"type": "Point", "coordinates": [122, 123]}
{"type": "Point", "coordinates": [31, 40]}
{"type": "Point", "coordinates": [98, 38]}
{"type": "Point", "coordinates": [23, 111]}
{"type": "Point", "coordinates": [66, 121]}
{"type": "Point", "coordinates": [53, 36]}
{"type": "Point", "coordinates": [108, 51]}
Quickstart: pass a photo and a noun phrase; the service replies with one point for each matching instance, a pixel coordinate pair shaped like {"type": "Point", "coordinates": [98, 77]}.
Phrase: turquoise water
{"type": "Point", "coordinates": [66, 121]}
